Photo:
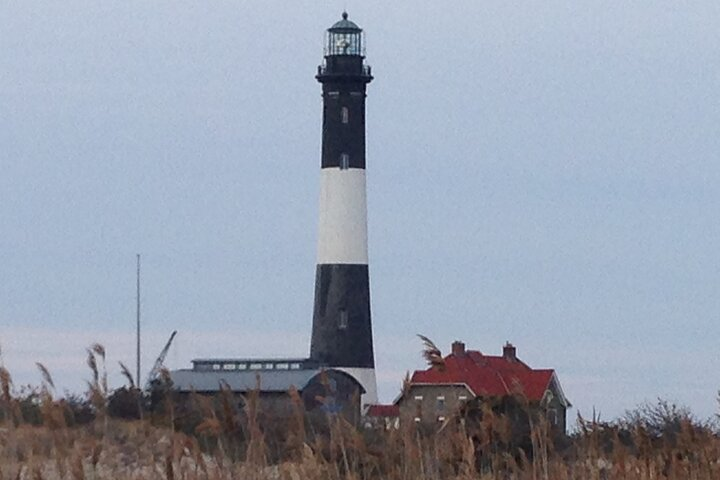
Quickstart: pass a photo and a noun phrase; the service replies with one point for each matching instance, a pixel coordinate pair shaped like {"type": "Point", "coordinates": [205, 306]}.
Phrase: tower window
{"type": "Point", "coordinates": [344, 115]}
{"type": "Point", "coordinates": [344, 161]}
{"type": "Point", "coordinates": [343, 321]}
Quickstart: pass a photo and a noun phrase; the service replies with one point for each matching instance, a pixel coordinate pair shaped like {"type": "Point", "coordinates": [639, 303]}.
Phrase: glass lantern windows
{"type": "Point", "coordinates": [344, 43]}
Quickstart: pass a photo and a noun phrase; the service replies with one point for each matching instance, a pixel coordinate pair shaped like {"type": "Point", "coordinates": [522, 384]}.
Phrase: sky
{"type": "Point", "coordinates": [544, 173]}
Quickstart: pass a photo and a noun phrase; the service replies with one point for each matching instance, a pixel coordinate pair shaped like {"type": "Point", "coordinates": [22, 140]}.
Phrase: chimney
{"type": "Point", "coordinates": [458, 348]}
{"type": "Point", "coordinates": [509, 352]}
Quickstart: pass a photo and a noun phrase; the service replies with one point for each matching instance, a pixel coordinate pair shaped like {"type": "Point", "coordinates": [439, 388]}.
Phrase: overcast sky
{"type": "Point", "coordinates": [540, 172]}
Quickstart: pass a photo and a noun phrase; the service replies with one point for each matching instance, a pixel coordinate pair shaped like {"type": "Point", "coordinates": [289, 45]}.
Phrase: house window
{"type": "Point", "coordinates": [344, 161]}
{"type": "Point", "coordinates": [552, 416]}
{"type": "Point", "coordinates": [441, 419]}
{"type": "Point", "coordinates": [242, 366]}
{"type": "Point", "coordinates": [344, 115]}
{"type": "Point", "coordinates": [418, 398]}
{"type": "Point", "coordinates": [462, 398]}
{"type": "Point", "coordinates": [343, 321]}
{"type": "Point", "coordinates": [269, 366]}
{"type": "Point", "coordinates": [440, 405]}
{"type": "Point", "coordinates": [282, 366]}
{"type": "Point", "coordinates": [256, 366]}
{"type": "Point", "coordinates": [294, 366]}
{"type": "Point", "coordinates": [216, 366]}
{"type": "Point", "coordinates": [417, 419]}
{"type": "Point", "coordinates": [229, 366]}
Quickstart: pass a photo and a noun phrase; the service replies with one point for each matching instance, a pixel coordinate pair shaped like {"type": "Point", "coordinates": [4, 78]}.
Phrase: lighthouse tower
{"type": "Point", "coordinates": [342, 331]}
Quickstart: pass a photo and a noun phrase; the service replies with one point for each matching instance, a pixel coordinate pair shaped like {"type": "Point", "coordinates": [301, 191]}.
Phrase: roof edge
{"type": "Point", "coordinates": [554, 380]}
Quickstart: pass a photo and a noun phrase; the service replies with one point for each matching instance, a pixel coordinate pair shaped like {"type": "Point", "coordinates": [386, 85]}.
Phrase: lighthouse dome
{"type": "Point", "coordinates": [345, 25]}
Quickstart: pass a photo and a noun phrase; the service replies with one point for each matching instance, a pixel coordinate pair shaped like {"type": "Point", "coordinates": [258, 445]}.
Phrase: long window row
{"type": "Point", "coordinates": [257, 366]}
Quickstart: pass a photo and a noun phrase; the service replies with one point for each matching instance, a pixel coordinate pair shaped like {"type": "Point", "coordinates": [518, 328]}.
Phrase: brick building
{"type": "Point", "coordinates": [439, 392]}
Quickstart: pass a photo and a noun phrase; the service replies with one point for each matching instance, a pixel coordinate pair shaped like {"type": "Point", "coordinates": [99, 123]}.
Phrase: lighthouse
{"type": "Point", "coordinates": [342, 329]}
{"type": "Point", "coordinates": [339, 375]}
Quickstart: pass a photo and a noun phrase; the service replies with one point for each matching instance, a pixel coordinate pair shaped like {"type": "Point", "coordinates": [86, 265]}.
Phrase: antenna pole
{"type": "Point", "coordinates": [137, 353]}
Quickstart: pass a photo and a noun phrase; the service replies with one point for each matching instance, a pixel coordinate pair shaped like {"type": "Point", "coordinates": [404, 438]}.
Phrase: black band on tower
{"type": "Point", "coordinates": [343, 134]}
{"type": "Point", "coordinates": [342, 332]}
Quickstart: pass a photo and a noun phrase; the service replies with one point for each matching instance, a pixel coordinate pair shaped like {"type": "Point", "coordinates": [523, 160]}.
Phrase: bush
{"type": "Point", "coordinates": [78, 410]}
{"type": "Point", "coordinates": [127, 403]}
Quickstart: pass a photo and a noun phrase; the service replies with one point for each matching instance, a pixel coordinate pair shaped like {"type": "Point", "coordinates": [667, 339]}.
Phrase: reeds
{"type": "Point", "coordinates": [227, 437]}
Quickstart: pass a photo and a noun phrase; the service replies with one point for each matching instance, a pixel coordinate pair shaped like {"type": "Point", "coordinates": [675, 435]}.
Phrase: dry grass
{"type": "Point", "coordinates": [229, 443]}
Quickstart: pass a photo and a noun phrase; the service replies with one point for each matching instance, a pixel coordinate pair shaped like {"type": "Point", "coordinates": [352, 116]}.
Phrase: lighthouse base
{"type": "Point", "coordinates": [366, 378]}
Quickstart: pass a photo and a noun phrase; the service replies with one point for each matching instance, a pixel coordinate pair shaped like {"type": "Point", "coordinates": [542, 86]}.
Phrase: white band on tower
{"type": "Point", "coordinates": [342, 235]}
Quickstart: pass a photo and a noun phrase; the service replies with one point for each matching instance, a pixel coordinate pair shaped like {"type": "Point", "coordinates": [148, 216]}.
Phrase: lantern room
{"type": "Point", "coordinates": [344, 54]}
{"type": "Point", "coordinates": [344, 38]}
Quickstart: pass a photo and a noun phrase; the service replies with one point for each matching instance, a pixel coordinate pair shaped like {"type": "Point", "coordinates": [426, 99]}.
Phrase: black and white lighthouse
{"type": "Point", "coordinates": [339, 375]}
{"type": "Point", "coordinates": [342, 330]}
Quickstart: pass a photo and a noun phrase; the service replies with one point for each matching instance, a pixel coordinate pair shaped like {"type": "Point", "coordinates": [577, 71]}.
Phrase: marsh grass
{"type": "Point", "coordinates": [225, 441]}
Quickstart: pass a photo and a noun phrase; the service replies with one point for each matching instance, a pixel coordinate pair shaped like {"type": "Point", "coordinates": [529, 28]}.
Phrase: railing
{"type": "Point", "coordinates": [366, 71]}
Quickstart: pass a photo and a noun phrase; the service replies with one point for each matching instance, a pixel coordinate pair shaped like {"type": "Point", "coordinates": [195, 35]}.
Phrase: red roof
{"type": "Point", "coordinates": [383, 411]}
{"type": "Point", "coordinates": [487, 375]}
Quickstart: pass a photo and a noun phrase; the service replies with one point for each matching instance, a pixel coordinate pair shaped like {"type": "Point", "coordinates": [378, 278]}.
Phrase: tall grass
{"type": "Point", "coordinates": [214, 438]}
